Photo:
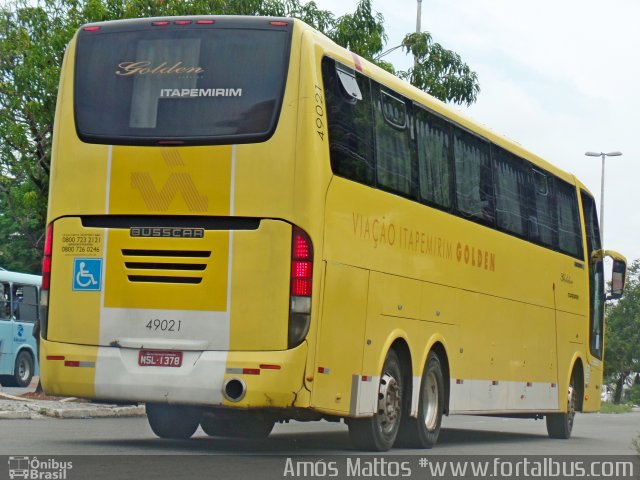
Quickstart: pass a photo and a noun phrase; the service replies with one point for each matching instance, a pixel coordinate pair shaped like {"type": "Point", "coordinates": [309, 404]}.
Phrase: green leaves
{"type": "Point", "coordinates": [361, 32]}
{"type": "Point", "coordinates": [438, 71]}
{"type": "Point", "coordinates": [32, 42]}
{"type": "Point", "coordinates": [622, 338]}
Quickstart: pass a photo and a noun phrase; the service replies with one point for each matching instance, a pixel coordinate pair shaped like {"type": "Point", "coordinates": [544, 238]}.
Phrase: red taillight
{"type": "Point", "coordinates": [301, 264]}
{"type": "Point", "coordinates": [205, 22]}
{"type": "Point", "coordinates": [94, 28]}
{"type": "Point", "coordinates": [301, 287]}
{"type": "Point", "coordinates": [161, 23]}
{"type": "Point", "coordinates": [46, 259]}
{"type": "Point", "coordinates": [279, 24]}
{"type": "Point", "coordinates": [301, 246]}
{"type": "Point", "coordinates": [183, 22]}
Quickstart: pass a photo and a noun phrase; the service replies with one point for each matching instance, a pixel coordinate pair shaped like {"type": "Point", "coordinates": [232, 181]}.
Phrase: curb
{"type": "Point", "coordinates": [96, 412]}
{"type": "Point", "coordinates": [10, 415]}
{"type": "Point", "coordinates": [63, 409]}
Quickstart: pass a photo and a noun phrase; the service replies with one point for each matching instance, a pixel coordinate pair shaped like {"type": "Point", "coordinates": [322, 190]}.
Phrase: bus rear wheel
{"type": "Point", "coordinates": [378, 433]}
{"type": "Point", "coordinates": [237, 424]}
{"type": "Point", "coordinates": [423, 432]}
{"type": "Point", "coordinates": [560, 425]}
{"type": "Point", "coordinates": [173, 421]}
{"type": "Point", "coordinates": [22, 372]}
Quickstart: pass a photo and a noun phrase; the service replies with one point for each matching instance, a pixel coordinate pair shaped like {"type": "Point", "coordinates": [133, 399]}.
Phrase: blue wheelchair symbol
{"type": "Point", "coordinates": [87, 274]}
{"type": "Point", "coordinates": [20, 330]}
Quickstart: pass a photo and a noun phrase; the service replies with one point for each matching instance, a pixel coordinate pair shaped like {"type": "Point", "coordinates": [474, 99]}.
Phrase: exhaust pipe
{"type": "Point", "coordinates": [234, 389]}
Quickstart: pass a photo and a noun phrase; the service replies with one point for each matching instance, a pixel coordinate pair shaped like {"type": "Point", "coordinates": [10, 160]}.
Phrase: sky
{"type": "Point", "coordinates": [559, 77]}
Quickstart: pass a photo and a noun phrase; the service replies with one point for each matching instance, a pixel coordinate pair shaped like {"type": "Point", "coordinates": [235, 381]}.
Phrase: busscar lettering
{"type": "Point", "coordinates": [167, 232]}
{"type": "Point", "coordinates": [200, 92]}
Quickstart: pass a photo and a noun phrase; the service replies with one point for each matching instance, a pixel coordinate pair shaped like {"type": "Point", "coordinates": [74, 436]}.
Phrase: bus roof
{"type": "Point", "coordinates": [23, 278]}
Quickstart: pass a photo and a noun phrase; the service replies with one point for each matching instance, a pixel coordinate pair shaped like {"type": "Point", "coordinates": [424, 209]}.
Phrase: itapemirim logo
{"type": "Point", "coordinates": [32, 468]}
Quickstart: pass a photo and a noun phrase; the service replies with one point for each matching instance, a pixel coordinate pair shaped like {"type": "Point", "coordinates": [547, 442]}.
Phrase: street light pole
{"type": "Point", "coordinates": [603, 155]}
{"type": "Point", "coordinates": [418, 28]}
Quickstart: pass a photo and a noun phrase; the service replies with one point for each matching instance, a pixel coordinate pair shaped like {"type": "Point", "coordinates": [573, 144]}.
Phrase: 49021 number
{"type": "Point", "coordinates": [164, 325]}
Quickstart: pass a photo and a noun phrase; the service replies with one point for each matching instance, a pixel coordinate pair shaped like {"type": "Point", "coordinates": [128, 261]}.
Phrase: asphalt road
{"type": "Point", "coordinates": [121, 448]}
{"type": "Point", "coordinates": [594, 434]}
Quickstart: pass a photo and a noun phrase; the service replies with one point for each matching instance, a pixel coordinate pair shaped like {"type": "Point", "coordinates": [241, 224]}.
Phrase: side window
{"type": "Point", "coordinates": [543, 214]}
{"type": "Point", "coordinates": [349, 119]}
{"type": "Point", "coordinates": [5, 300]}
{"type": "Point", "coordinates": [393, 142]}
{"type": "Point", "coordinates": [569, 231]}
{"type": "Point", "coordinates": [596, 277]}
{"type": "Point", "coordinates": [591, 223]}
{"type": "Point", "coordinates": [27, 303]}
{"type": "Point", "coordinates": [16, 300]}
{"type": "Point", "coordinates": [510, 186]}
{"type": "Point", "coordinates": [434, 162]}
{"type": "Point", "coordinates": [474, 190]}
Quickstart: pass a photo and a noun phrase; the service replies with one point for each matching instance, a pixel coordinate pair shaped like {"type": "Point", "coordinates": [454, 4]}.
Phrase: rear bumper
{"type": "Point", "coordinates": [272, 378]}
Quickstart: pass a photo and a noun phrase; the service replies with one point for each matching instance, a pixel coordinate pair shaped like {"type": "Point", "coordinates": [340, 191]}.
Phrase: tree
{"type": "Point", "coordinates": [439, 71]}
{"type": "Point", "coordinates": [33, 37]}
{"type": "Point", "coordinates": [32, 42]}
{"type": "Point", "coordinates": [622, 348]}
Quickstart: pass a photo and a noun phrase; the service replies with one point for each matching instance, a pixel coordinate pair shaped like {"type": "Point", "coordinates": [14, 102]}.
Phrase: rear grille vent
{"type": "Point", "coordinates": [167, 253]}
{"type": "Point", "coordinates": [163, 279]}
{"type": "Point", "coordinates": [165, 266]}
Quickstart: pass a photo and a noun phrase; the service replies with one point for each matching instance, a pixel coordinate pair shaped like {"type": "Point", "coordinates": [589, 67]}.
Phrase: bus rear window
{"type": "Point", "coordinates": [136, 84]}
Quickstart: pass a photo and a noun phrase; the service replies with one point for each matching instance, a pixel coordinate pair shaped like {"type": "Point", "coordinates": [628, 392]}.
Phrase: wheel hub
{"type": "Point", "coordinates": [430, 402]}
{"type": "Point", "coordinates": [389, 403]}
{"type": "Point", "coordinates": [23, 372]}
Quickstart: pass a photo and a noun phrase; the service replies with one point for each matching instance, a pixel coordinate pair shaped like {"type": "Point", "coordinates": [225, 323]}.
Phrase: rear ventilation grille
{"type": "Point", "coordinates": [167, 253]}
{"type": "Point", "coordinates": [163, 279]}
{"type": "Point", "coordinates": [165, 266]}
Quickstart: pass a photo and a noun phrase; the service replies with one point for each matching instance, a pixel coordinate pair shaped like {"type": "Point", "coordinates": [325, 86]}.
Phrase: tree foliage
{"type": "Point", "coordinates": [439, 71]}
{"type": "Point", "coordinates": [622, 335]}
{"type": "Point", "coordinates": [34, 34]}
{"type": "Point", "coordinates": [32, 42]}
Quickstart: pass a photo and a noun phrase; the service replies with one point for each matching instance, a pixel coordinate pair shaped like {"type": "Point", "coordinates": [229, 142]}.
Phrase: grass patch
{"type": "Point", "coordinates": [608, 407]}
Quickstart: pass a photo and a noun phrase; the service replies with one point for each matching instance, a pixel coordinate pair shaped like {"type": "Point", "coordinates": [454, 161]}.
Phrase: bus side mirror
{"type": "Point", "coordinates": [617, 279]}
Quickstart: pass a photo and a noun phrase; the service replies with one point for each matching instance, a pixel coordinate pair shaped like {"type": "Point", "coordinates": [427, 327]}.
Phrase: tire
{"type": "Point", "coordinates": [23, 371]}
{"type": "Point", "coordinates": [560, 425]}
{"type": "Point", "coordinates": [173, 421]}
{"type": "Point", "coordinates": [379, 432]}
{"type": "Point", "coordinates": [237, 424]}
{"type": "Point", "coordinates": [423, 432]}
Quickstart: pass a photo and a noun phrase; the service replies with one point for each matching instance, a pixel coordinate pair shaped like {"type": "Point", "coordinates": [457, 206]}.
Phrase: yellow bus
{"type": "Point", "coordinates": [249, 224]}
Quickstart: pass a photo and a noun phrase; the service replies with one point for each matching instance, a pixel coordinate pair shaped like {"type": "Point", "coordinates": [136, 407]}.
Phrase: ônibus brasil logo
{"type": "Point", "coordinates": [37, 469]}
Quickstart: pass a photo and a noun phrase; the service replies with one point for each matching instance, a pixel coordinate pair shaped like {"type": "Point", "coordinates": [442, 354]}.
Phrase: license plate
{"type": "Point", "coordinates": [153, 358]}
